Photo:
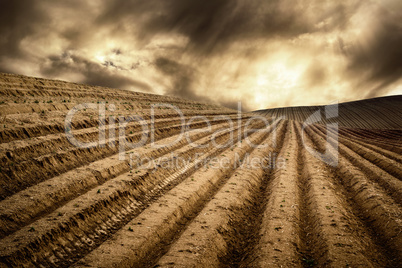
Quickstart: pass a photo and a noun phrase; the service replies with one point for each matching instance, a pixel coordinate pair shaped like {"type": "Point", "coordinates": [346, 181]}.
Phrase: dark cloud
{"type": "Point", "coordinates": [213, 25]}
{"type": "Point", "coordinates": [94, 73]}
{"type": "Point", "coordinates": [316, 74]}
{"type": "Point", "coordinates": [182, 76]}
{"type": "Point", "coordinates": [211, 33]}
{"type": "Point", "coordinates": [378, 56]}
{"type": "Point", "coordinates": [19, 19]}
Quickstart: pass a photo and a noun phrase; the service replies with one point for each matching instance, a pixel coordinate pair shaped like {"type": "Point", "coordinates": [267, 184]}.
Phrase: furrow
{"type": "Point", "coordinates": [14, 177]}
{"type": "Point", "coordinates": [19, 150]}
{"type": "Point", "coordinates": [376, 138]}
{"type": "Point", "coordinates": [138, 244]}
{"type": "Point", "coordinates": [37, 130]}
{"type": "Point", "coordinates": [379, 170]}
{"type": "Point", "coordinates": [91, 210]}
{"type": "Point", "coordinates": [34, 201]}
{"type": "Point", "coordinates": [389, 152]}
{"type": "Point", "coordinates": [336, 236]}
{"type": "Point", "coordinates": [279, 230]}
{"type": "Point", "coordinates": [388, 165]}
{"type": "Point", "coordinates": [215, 237]}
{"type": "Point", "coordinates": [378, 211]}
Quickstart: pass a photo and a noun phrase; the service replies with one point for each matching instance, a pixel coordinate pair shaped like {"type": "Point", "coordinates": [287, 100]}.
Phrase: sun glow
{"type": "Point", "coordinates": [262, 80]}
{"type": "Point", "coordinates": [279, 76]}
{"type": "Point", "coordinates": [275, 82]}
{"type": "Point", "coordinates": [284, 77]}
{"type": "Point", "coordinates": [396, 91]}
{"type": "Point", "coordinates": [100, 58]}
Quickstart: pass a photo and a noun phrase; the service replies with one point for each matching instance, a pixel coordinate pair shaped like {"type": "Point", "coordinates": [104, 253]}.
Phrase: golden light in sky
{"type": "Point", "coordinates": [101, 58]}
{"type": "Point", "coordinates": [265, 53]}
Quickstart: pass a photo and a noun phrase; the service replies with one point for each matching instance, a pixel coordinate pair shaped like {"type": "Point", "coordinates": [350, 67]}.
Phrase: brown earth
{"type": "Point", "coordinates": [377, 113]}
{"type": "Point", "coordinates": [61, 205]}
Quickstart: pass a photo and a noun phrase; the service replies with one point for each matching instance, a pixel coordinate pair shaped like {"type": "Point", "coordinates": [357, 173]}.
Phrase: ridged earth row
{"type": "Point", "coordinates": [224, 189]}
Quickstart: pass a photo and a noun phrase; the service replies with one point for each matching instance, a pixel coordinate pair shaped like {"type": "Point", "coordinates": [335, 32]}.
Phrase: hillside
{"type": "Point", "coordinates": [157, 186]}
{"type": "Point", "coordinates": [376, 113]}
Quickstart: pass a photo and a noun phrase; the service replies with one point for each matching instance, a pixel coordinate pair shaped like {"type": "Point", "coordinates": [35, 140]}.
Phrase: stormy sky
{"type": "Point", "coordinates": [265, 53]}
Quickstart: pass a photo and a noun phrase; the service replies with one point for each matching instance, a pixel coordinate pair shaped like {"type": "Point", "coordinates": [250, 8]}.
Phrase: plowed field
{"type": "Point", "coordinates": [229, 204]}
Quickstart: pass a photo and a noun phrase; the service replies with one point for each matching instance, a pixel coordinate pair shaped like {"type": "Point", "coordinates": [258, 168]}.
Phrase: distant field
{"type": "Point", "coordinates": [377, 113]}
{"type": "Point", "coordinates": [62, 205]}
